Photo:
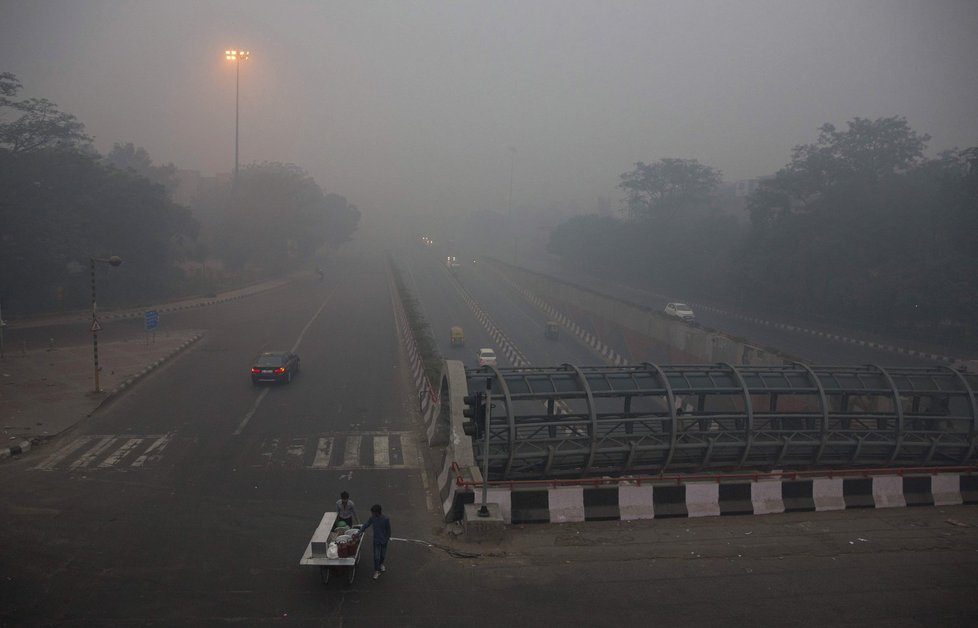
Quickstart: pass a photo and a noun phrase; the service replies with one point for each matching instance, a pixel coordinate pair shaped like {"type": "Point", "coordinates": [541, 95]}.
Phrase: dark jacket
{"type": "Point", "coordinates": [382, 528]}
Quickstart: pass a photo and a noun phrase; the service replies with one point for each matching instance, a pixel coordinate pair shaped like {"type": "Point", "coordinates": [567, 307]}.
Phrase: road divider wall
{"type": "Point", "coordinates": [441, 414]}
{"type": "Point", "coordinates": [700, 497]}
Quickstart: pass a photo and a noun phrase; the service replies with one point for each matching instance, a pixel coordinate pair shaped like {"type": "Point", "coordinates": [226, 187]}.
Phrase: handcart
{"type": "Point", "coordinates": [316, 552]}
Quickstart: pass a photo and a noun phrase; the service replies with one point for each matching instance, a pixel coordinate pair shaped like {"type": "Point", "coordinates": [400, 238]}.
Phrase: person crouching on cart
{"type": "Point", "coordinates": [381, 525]}
{"type": "Point", "coordinates": [345, 510]}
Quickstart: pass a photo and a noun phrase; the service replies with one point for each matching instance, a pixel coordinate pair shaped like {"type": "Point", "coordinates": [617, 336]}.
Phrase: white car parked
{"type": "Point", "coordinates": [487, 356]}
{"type": "Point", "coordinates": [680, 310]}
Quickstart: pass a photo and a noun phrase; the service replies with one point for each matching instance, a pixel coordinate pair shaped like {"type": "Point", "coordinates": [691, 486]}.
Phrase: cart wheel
{"type": "Point", "coordinates": [324, 574]}
{"type": "Point", "coordinates": [353, 574]}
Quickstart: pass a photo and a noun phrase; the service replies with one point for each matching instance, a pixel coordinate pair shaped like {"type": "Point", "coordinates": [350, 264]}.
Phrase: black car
{"type": "Point", "coordinates": [275, 366]}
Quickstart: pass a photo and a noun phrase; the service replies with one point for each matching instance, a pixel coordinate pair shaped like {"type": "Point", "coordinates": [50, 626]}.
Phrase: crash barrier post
{"type": "Point", "coordinates": [566, 504]}
{"type": "Point", "coordinates": [888, 492]}
{"type": "Point", "coordinates": [946, 490]}
{"type": "Point", "coordinates": [766, 497]}
{"type": "Point", "coordinates": [828, 494]}
{"type": "Point", "coordinates": [635, 502]}
{"type": "Point", "coordinates": [502, 497]}
{"type": "Point", "coordinates": [703, 499]}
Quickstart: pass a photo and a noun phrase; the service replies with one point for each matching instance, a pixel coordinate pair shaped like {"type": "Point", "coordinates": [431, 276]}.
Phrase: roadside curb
{"type": "Point", "coordinates": [174, 306]}
{"type": "Point", "coordinates": [115, 392]}
{"type": "Point", "coordinates": [19, 448]}
{"type": "Point", "coordinates": [25, 445]}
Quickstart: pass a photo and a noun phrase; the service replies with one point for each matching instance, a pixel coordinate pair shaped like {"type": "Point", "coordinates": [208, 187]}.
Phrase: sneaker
{"type": "Point", "coordinates": [376, 575]}
{"type": "Point", "coordinates": [383, 567]}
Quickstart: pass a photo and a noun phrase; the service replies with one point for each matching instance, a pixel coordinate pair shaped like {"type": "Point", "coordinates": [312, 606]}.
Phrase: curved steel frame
{"type": "Point", "coordinates": [579, 421]}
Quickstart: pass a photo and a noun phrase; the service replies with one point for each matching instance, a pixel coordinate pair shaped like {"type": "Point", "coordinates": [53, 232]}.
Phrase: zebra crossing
{"type": "Point", "coordinates": [330, 451]}
{"type": "Point", "coordinates": [104, 451]}
{"type": "Point", "coordinates": [342, 451]}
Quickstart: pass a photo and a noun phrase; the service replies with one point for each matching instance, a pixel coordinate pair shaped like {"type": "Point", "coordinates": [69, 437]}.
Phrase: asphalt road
{"type": "Point", "coordinates": [208, 529]}
{"type": "Point", "coordinates": [765, 329]}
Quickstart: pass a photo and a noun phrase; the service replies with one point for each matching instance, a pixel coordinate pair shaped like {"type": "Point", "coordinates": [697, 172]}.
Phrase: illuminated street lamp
{"type": "Point", "coordinates": [237, 56]}
{"type": "Point", "coordinates": [115, 260]}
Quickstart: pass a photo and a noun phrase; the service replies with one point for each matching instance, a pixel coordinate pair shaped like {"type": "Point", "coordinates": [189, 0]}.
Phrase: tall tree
{"type": "Point", "coordinates": [38, 125]}
{"type": "Point", "coordinates": [868, 153]}
{"type": "Point", "coordinates": [667, 188]}
{"type": "Point", "coordinates": [135, 159]}
{"type": "Point", "coordinates": [278, 216]}
{"type": "Point", "coordinates": [342, 218]}
{"type": "Point", "coordinates": [861, 227]}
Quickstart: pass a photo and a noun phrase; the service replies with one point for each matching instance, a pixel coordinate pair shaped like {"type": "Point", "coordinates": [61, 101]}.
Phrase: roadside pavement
{"type": "Point", "coordinates": [44, 391]}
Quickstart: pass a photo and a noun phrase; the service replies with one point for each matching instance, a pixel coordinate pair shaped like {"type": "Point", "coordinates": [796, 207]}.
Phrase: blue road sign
{"type": "Point", "coordinates": [151, 318]}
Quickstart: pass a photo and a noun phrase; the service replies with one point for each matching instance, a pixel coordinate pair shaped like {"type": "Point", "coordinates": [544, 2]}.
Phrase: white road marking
{"type": "Point", "coordinates": [382, 456]}
{"type": "Point", "coordinates": [324, 451]}
{"type": "Point", "coordinates": [53, 460]}
{"type": "Point", "coordinates": [409, 450]}
{"type": "Point", "coordinates": [297, 448]}
{"type": "Point", "coordinates": [351, 456]}
{"type": "Point", "coordinates": [251, 412]}
{"type": "Point", "coordinates": [90, 455]}
{"type": "Point", "coordinates": [158, 446]}
{"type": "Point", "coordinates": [120, 453]}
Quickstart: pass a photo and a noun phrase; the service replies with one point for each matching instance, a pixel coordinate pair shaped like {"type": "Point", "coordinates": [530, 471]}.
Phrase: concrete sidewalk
{"type": "Point", "coordinates": [44, 392]}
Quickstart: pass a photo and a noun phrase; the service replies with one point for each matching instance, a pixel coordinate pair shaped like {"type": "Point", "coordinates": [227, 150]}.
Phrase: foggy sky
{"type": "Point", "coordinates": [414, 106]}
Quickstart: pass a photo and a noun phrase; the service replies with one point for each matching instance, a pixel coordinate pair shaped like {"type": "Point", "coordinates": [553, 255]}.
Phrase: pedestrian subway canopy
{"type": "Point", "coordinates": [584, 421]}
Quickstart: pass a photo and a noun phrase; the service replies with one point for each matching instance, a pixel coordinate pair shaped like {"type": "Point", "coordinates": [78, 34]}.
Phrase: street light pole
{"type": "Point", "coordinates": [512, 224]}
{"type": "Point", "coordinates": [111, 261]}
{"type": "Point", "coordinates": [237, 56]}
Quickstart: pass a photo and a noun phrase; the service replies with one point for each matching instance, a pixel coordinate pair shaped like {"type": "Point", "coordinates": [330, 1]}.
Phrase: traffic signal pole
{"type": "Point", "coordinates": [484, 509]}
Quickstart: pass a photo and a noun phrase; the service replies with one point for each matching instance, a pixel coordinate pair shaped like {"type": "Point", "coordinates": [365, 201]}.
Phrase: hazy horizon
{"type": "Point", "coordinates": [425, 106]}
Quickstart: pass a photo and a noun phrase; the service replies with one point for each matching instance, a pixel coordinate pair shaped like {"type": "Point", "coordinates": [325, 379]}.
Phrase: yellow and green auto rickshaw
{"type": "Point", "coordinates": [457, 337]}
{"type": "Point", "coordinates": [553, 330]}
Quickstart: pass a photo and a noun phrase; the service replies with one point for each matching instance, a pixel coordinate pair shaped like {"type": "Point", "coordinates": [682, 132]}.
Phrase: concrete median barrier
{"type": "Point", "coordinates": [703, 499]}
{"type": "Point", "coordinates": [888, 492]}
{"type": "Point", "coordinates": [635, 502]}
{"type": "Point", "coordinates": [828, 494]}
{"type": "Point", "coordinates": [946, 490]}
{"type": "Point", "coordinates": [766, 497]}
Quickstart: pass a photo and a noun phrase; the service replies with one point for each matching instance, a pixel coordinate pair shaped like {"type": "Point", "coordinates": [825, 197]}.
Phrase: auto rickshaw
{"type": "Point", "coordinates": [457, 337]}
{"type": "Point", "coordinates": [553, 330]}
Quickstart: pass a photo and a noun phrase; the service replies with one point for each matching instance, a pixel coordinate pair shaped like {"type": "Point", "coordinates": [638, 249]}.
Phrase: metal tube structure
{"type": "Point", "coordinates": [593, 421]}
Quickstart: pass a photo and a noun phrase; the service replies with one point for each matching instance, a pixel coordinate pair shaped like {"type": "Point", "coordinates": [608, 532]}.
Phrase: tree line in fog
{"type": "Point", "coordinates": [62, 203]}
{"type": "Point", "coordinates": [859, 228]}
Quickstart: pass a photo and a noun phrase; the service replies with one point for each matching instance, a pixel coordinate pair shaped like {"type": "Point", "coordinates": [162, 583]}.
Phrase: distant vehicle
{"type": "Point", "coordinates": [552, 331]}
{"type": "Point", "coordinates": [680, 310]}
{"type": "Point", "coordinates": [275, 367]}
{"type": "Point", "coordinates": [487, 357]}
{"type": "Point", "coordinates": [452, 262]}
{"type": "Point", "coordinates": [457, 337]}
